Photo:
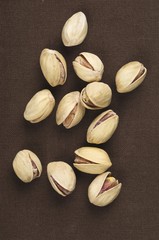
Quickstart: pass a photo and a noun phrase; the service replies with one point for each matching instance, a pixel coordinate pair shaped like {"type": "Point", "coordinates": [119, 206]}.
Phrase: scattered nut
{"type": "Point", "coordinates": [102, 127]}
{"type": "Point", "coordinates": [103, 190]}
{"type": "Point", "coordinates": [40, 106]}
{"type": "Point", "coordinates": [70, 110]}
{"type": "Point", "coordinates": [96, 95]}
{"type": "Point", "coordinates": [75, 30]}
{"type": "Point", "coordinates": [27, 166]}
{"type": "Point", "coordinates": [61, 177]}
{"type": "Point", "coordinates": [88, 67]}
{"type": "Point", "coordinates": [53, 66]}
{"type": "Point", "coordinates": [130, 76]}
{"type": "Point", "coordinates": [91, 160]}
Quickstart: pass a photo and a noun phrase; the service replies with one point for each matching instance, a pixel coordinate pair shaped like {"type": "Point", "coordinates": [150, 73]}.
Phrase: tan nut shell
{"type": "Point", "coordinates": [99, 158]}
{"type": "Point", "coordinates": [75, 30]}
{"type": "Point", "coordinates": [40, 106]}
{"type": "Point", "coordinates": [53, 65]}
{"type": "Point", "coordinates": [98, 93]}
{"type": "Point", "coordinates": [104, 131]}
{"type": "Point", "coordinates": [106, 197]}
{"type": "Point", "coordinates": [22, 165]}
{"type": "Point", "coordinates": [66, 105]}
{"type": "Point", "coordinates": [63, 175]}
{"type": "Point", "coordinates": [127, 74]}
{"type": "Point", "coordinates": [85, 73]}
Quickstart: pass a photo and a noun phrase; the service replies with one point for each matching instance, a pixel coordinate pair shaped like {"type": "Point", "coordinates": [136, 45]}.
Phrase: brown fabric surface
{"type": "Point", "coordinates": [119, 31]}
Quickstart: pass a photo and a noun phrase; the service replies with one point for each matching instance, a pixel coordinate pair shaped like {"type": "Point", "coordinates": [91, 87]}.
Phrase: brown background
{"type": "Point", "coordinates": [119, 31]}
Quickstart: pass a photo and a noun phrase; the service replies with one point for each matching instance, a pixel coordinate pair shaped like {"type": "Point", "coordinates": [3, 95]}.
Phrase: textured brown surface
{"type": "Point", "coordinates": [119, 31]}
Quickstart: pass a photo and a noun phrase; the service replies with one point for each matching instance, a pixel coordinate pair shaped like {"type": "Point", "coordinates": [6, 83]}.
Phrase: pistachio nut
{"type": "Point", "coordinates": [102, 127]}
{"type": "Point", "coordinates": [61, 177]}
{"type": "Point", "coordinates": [96, 95]}
{"type": "Point", "coordinates": [70, 110]}
{"type": "Point", "coordinates": [27, 166]}
{"type": "Point", "coordinates": [91, 160]}
{"type": "Point", "coordinates": [103, 190]}
{"type": "Point", "coordinates": [88, 67]}
{"type": "Point", "coordinates": [130, 76]}
{"type": "Point", "coordinates": [40, 106]}
{"type": "Point", "coordinates": [53, 66]}
{"type": "Point", "coordinates": [75, 30]}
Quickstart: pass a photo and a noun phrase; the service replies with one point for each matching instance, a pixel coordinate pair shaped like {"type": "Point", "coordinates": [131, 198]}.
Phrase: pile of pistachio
{"type": "Point", "coordinates": [70, 111]}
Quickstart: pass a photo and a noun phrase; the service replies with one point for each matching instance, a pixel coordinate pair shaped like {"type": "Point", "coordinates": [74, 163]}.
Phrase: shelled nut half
{"type": "Point", "coordinates": [53, 66]}
{"type": "Point", "coordinates": [103, 190]}
{"type": "Point", "coordinates": [75, 30]}
{"type": "Point", "coordinates": [91, 160]}
{"type": "Point", "coordinates": [88, 67]}
{"type": "Point", "coordinates": [70, 110]}
{"type": "Point", "coordinates": [61, 177]}
{"type": "Point", "coordinates": [40, 106]}
{"type": "Point", "coordinates": [130, 76]}
{"type": "Point", "coordinates": [96, 95]}
{"type": "Point", "coordinates": [102, 127]}
{"type": "Point", "coordinates": [27, 165]}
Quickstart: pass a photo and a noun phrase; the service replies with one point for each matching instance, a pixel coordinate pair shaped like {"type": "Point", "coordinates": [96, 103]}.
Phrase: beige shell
{"type": "Point", "coordinates": [102, 197]}
{"type": "Point", "coordinates": [102, 127]}
{"type": "Point", "coordinates": [70, 110]}
{"type": "Point", "coordinates": [91, 160]}
{"type": "Point", "coordinates": [75, 30]}
{"type": "Point", "coordinates": [27, 166]}
{"type": "Point", "coordinates": [88, 67]}
{"type": "Point", "coordinates": [53, 66]}
{"type": "Point", "coordinates": [130, 76]}
{"type": "Point", "coordinates": [96, 95]}
{"type": "Point", "coordinates": [61, 177]}
{"type": "Point", "coordinates": [40, 106]}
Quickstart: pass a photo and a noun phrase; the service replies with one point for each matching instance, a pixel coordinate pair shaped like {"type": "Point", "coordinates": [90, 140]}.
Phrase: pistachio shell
{"type": "Point", "coordinates": [96, 95]}
{"type": "Point", "coordinates": [91, 160]}
{"type": "Point", "coordinates": [75, 30]}
{"type": "Point", "coordinates": [53, 66]}
{"type": "Point", "coordinates": [70, 110]}
{"type": "Point", "coordinates": [105, 197]}
{"type": "Point", "coordinates": [40, 106]}
{"type": "Point", "coordinates": [61, 177]}
{"type": "Point", "coordinates": [88, 67]}
{"type": "Point", "coordinates": [27, 166]}
{"type": "Point", "coordinates": [102, 127]}
{"type": "Point", "coordinates": [130, 76]}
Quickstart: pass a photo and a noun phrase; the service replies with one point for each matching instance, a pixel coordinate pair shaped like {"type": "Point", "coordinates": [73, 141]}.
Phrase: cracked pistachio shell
{"type": "Point", "coordinates": [75, 30]}
{"type": "Point", "coordinates": [27, 166]}
{"type": "Point", "coordinates": [102, 127]}
{"type": "Point", "coordinates": [91, 160]}
{"type": "Point", "coordinates": [40, 106]}
{"type": "Point", "coordinates": [130, 76]}
{"type": "Point", "coordinates": [103, 190]}
{"type": "Point", "coordinates": [88, 67]}
{"type": "Point", "coordinates": [70, 110]}
{"type": "Point", "coordinates": [53, 66]}
{"type": "Point", "coordinates": [62, 177]}
{"type": "Point", "coordinates": [96, 95]}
